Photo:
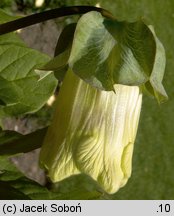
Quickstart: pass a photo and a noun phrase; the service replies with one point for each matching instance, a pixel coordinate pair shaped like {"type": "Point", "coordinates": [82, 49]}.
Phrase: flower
{"type": "Point", "coordinates": [92, 132]}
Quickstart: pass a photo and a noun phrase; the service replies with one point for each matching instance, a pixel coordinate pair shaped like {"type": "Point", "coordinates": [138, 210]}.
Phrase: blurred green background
{"type": "Point", "coordinates": [153, 160]}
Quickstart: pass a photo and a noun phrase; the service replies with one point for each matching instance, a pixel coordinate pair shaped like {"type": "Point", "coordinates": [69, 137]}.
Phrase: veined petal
{"type": "Point", "coordinates": [104, 148]}
{"type": "Point", "coordinates": [93, 132]}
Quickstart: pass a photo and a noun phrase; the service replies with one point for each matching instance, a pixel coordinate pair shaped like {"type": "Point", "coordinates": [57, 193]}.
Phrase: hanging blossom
{"type": "Point", "coordinates": [92, 132]}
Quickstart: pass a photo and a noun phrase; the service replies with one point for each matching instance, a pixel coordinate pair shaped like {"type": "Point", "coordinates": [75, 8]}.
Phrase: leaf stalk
{"type": "Point", "coordinates": [50, 14]}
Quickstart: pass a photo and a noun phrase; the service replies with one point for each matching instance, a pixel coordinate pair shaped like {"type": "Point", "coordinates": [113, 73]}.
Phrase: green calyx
{"type": "Point", "coordinates": [104, 52]}
{"type": "Point", "coordinates": [107, 52]}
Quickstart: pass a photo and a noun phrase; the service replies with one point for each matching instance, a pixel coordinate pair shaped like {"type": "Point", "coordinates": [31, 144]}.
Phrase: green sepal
{"type": "Point", "coordinates": [107, 52]}
{"type": "Point", "coordinates": [59, 64]}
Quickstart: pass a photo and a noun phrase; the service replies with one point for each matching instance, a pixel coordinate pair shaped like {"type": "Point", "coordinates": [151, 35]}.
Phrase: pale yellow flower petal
{"type": "Point", "coordinates": [93, 132]}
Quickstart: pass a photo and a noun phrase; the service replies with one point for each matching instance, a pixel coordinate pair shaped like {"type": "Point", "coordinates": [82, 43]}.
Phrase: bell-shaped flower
{"type": "Point", "coordinates": [92, 132]}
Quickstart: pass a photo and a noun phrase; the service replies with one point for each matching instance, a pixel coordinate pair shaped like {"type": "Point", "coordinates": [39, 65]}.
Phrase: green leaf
{"type": "Point", "coordinates": [7, 192]}
{"type": "Point", "coordinates": [141, 52]}
{"type": "Point", "coordinates": [10, 38]}
{"type": "Point", "coordinates": [6, 165]}
{"type": "Point", "coordinates": [22, 90]}
{"type": "Point", "coordinates": [12, 143]}
{"type": "Point", "coordinates": [59, 64]}
{"type": "Point", "coordinates": [91, 50]}
{"type": "Point", "coordinates": [158, 71]}
{"type": "Point", "coordinates": [30, 188]}
{"type": "Point", "coordinates": [65, 39]}
{"type": "Point", "coordinates": [17, 186]}
{"type": "Point", "coordinates": [6, 17]}
{"type": "Point", "coordinates": [134, 51]}
{"type": "Point", "coordinates": [107, 52]}
{"type": "Point", "coordinates": [21, 186]}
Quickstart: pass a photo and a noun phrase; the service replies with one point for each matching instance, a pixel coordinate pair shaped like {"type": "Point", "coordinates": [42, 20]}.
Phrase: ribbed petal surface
{"type": "Point", "coordinates": [93, 132]}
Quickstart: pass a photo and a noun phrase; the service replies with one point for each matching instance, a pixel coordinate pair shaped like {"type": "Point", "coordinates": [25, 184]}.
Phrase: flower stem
{"type": "Point", "coordinates": [50, 14]}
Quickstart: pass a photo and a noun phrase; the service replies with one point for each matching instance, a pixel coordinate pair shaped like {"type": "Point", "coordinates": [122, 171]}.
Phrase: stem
{"type": "Point", "coordinates": [50, 14]}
